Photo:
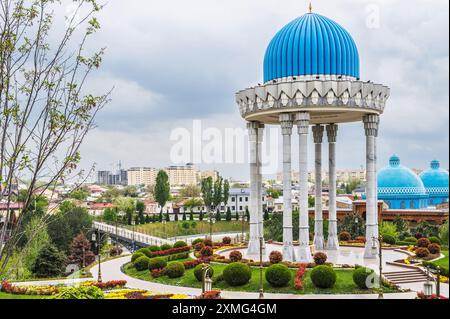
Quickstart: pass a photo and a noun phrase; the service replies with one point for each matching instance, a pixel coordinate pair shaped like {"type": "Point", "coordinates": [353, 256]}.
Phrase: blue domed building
{"type": "Point", "coordinates": [401, 188]}
{"type": "Point", "coordinates": [436, 182]}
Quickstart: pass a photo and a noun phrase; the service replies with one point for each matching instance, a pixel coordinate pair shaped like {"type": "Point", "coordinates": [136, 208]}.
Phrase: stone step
{"type": "Point", "coordinates": [406, 275]}
{"type": "Point", "coordinates": [408, 281]}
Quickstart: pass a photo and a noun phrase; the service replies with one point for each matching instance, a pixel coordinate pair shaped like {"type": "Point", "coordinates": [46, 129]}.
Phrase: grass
{"type": "Point", "coordinates": [10, 296]}
{"type": "Point", "coordinates": [443, 262]}
{"type": "Point", "coordinates": [187, 228]}
{"type": "Point", "coordinates": [344, 283]}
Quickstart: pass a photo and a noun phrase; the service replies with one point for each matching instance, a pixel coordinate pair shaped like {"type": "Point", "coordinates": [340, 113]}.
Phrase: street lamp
{"type": "Point", "coordinates": [164, 222]}
{"type": "Point", "coordinates": [212, 220]}
{"type": "Point", "coordinates": [97, 239]}
{"type": "Point", "coordinates": [206, 278]}
{"type": "Point", "coordinates": [428, 286]}
{"type": "Point", "coordinates": [378, 250]}
{"type": "Point", "coordinates": [242, 217]}
{"type": "Point", "coordinates": [261, 289]}
{"type": "Point", "coordinates": [133, 222]}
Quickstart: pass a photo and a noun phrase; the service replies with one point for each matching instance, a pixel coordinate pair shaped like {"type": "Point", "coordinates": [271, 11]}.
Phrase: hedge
{"type": "Point", "coordinates": [323, 277]}
{"type": "Point", "coordinates": [237, 274]}
{"type": "Point", "coordinates": [278, 275]}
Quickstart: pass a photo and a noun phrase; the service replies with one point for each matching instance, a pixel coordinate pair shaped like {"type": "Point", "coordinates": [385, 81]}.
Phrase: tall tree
{"type": "Point", "coordinates": [226, 193]}
{"type": "Point", "coordinates": [207, 187]}
{"type": "Point", "coordinates": [46, 106]}
{"type": "Point", "coordinates": [162, 189]}
{"type": "Point", "coordinates": [218, 193]}
{"type": "Point", "coordinates": [49, 262]}
{"type": "Point", "coordinates": [80, 248]}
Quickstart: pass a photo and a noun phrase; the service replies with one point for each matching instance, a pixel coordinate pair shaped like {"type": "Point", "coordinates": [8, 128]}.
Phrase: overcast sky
{"type": "Point", "coordinates": [174, 61]}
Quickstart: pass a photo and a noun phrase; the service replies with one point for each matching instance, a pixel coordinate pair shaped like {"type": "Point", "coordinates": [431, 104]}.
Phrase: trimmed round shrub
{"type": "Point", "coordinates": [208, 242]}
{"type": "Point", "coordinates": [154, 248]}
{"type": "Point", "coordinates": [199, 246]}
{"type": "Point", "coordinates": [226, 240]}
{"type": "Point", "coordinates": [141, 263]}
{"type": "Point", "coordinates": [323, 276]}
{"type": "Point", "coordinates": [157, 263]}
{"type": "Point", "coordinates": [278, 275]}
{"type": "Point", "coordinates": [320, 258]}
{"type": "Point", "coordinates": [275, 257]}
{"type": "Point", "coordinates": [360, 276]}
{"type": "Point", "coordinates": [166, 246]}
{"type": "Point", "coordinates": [422, 252]}
{"type": "Point", "coordinates": [198, 272]}
{"type": "Point", "coordinates": [175, 269]}
{"type": "Point", "coordinates": [145, 251]}
{"type": "Point", "coordinates": [434, 249]}
{"type": "Point", "coordinates": [237, 274]}
{"type": "Point", "coordinates": [412, 240]}
{"type": "Point", "coordinates": [136, 255]}
{"type": "Point", "coordinates": [423, 242]}
{"type": "Point", "coordinates": [345, 236]}
{"type": "Point", "coordinates": [206, 251]}
{"type": "Point", "coordinates": [179, 244]}
{"type": "Point", "coordinates": [235, 256]}
{"type": "Point", "coordinates": [196, 241]}
{"type": "Point", "coordinates": [435, 240]}
{"type": "Point", "coordinates": [389, 239]}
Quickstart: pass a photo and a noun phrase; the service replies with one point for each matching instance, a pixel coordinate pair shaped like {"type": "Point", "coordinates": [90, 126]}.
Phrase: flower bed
{"type": "Point", "coordinates": [298, 281]}
{"type": "Point", "coordinates": [113, 284]}
{"type": "Point", "coordinates": [29, 290]}
{"type": "Point", "coordinates": [142, 294]}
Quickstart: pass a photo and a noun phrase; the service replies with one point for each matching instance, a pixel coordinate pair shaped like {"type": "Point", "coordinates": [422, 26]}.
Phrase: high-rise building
{"type": "Point", "coordinates": [142, 176]}
{"type": "Point", "coordinates": [182, 175]}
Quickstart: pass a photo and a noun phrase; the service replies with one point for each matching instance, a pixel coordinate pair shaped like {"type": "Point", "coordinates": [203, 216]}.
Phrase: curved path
{"type": "Point", "coordinates": [111, 270]}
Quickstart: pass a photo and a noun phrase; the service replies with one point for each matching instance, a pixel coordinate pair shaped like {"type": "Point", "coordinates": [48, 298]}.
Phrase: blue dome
{"type": "Point", "coordinates": [400, 187]}
{"type": "Point", "coordinates": [311, 45]}
{"type": "Point", "coordinates": [436, 181]}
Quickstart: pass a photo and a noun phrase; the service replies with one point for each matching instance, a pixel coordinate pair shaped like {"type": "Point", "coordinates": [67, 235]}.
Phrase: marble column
{"type": "Point", "coordinates": [318, 220]}
{"type": "Point", "coordinates": [287, 124]}
{"type": "Point", "coordinates": [260, 186]}
{"type": "Point", "coordinates": [304, 251]}
{"type": "Point", "coordinates": [333, 242]}
{"type": "Point", "coordinates": [371, 123]}
{"type": "Point", "coordinates": [254, 129]}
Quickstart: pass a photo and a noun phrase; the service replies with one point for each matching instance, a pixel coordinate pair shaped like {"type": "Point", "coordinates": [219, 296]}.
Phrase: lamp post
{"type": "Point", "coordinates": [206, 279]}
{"type": "Point", "coordinates": [428, 286]}
{"type": "Point", "coordinates": [261, 289]}
{"type": "Point", "coordinates": [438, 281]}
{"type": "Point", "coordinates": [133, 222]}
{"type": "Point", "coordinates": [164, 222]}
{"type": "Point", "coordinates": [242, 226]}
{"type": "Point", "coordinates": [212, 220]}
{"type": "Point", "coordinates": [379, 250]}
{"type": "Point", "coordinates": [97, 240]}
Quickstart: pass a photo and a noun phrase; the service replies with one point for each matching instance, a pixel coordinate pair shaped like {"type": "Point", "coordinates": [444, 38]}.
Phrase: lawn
{"type": "Point", "coordinates": [344, 284]}
{"type": "Point", "coordinates": [186, 228]}
{"type": "Point", "coordinates": [10, 296]}
{"type": "Point", "coordinates": [444, 262]}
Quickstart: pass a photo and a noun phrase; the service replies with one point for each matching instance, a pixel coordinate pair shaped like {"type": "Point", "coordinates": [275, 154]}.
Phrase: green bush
{"type": "Point", "coordinates": [70, 293]}
{"type": "Point", "coordinates": [178, 256]}
{"type": "Point", "coordinates": [154, 248]}
{"type": "Point", "coordinates": [145, 251]}
{"type": "Point", "coordinates": [196, 241]}
{"type": "Point", "coordinates": [323, 277]}
{"type": "Point", "coordinates": [136, 255]}
{"type": "Point", "coordinates": [411, 240]}
{"type": "Point", "coordinates": [157, 263]}
{"type": "Point", "coordinates": [389, 239]}
{"type": "Point", "coordinates": [278, 275]}
{"type": "Point", "coordinates": [179, 244]}
{"type": "Point", "coordinates": [141, 263]}
{"type": "Point", "coordinates": [165, 246]}
{"type": "Point", "coordinates": [175, 269]}
{"type": "Point", "coordinates": [237, 274]}
{"type": "Point", "coordinates": [360, 276]}
{"type": "Point", "coordinates": [198, 272]}
{"type": "Point", "coordinates": [435, 240]}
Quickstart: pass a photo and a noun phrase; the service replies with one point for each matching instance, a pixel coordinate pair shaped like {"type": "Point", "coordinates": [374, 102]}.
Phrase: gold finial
{"type": "Point", "coordinates": [310, 7]}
